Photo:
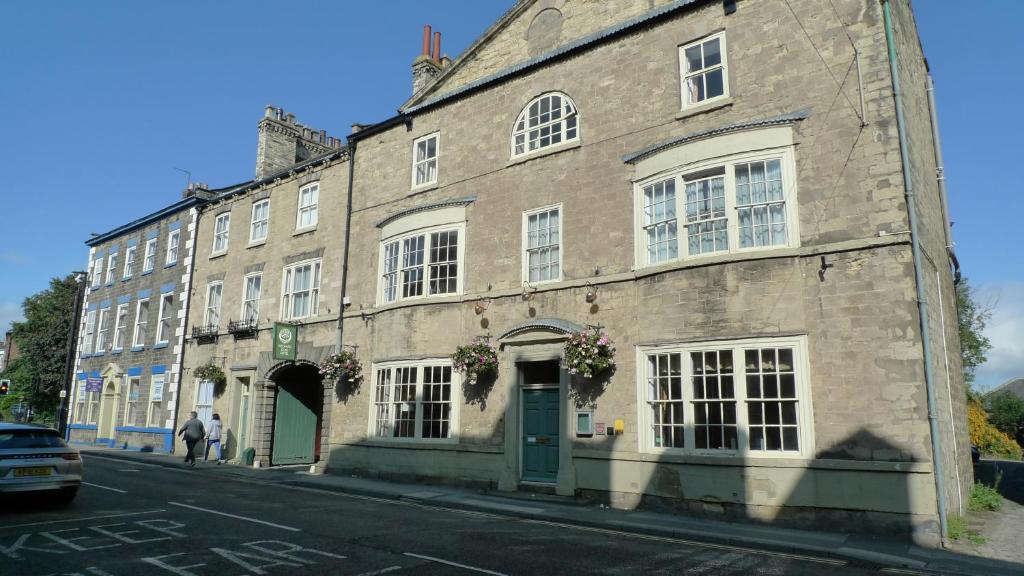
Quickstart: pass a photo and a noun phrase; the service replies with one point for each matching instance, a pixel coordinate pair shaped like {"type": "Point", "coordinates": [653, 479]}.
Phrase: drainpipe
{"type": "Point", "coordinates": [940, 176]}
{"type": "Point", "coordinates": [922, 302]}
{"type": "Point", "coordinates": [348, 238]}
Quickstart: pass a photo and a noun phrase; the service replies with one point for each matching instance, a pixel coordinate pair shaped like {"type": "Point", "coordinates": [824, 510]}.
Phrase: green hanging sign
{"type": "Point", "coordinates": [286, 337]}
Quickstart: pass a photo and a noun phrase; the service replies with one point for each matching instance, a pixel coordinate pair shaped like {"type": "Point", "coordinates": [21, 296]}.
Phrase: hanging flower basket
{"type": "Point", "coordinates": [475, 360]}
{"type": "Point", "coordinates": [589, 353]}
{"type": "Point", "coordinates": [210, 373]}
{"type": "Point", "coordinates": [342, 366]}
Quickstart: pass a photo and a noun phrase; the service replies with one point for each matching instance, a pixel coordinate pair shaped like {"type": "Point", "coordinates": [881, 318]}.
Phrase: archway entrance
{"type": "Point", "coordinates": [298, 409]}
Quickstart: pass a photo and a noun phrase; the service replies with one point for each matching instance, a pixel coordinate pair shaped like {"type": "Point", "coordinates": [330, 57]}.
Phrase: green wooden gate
{"type": "Point", "coordinates": [540, 435]}
{"type": "Point", "coordinates": [294, 429]}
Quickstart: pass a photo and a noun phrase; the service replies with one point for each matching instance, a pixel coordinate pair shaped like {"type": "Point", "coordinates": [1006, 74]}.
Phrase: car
{"type": "Point", "coordinates": [35, 458]}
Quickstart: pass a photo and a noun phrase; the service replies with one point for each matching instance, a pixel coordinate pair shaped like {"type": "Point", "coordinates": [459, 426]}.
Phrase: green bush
{"type": "Point", "coordinates": [958, 530]}
{"type": "Point", "coordinates": [984, 498]}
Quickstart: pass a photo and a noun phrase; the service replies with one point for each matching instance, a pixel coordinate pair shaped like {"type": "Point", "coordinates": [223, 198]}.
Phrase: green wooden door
{"type": "Point", "coordinates": [540, 435]}
{"type": "Point", "coordinates": [294, 429]}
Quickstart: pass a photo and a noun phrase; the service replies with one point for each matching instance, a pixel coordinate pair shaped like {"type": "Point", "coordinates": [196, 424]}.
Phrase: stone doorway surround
{"type": "Point", "coordinates": [538, 340]}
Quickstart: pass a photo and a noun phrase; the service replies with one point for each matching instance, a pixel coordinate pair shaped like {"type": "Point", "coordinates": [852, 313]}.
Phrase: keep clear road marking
{"type": "Point", "coordinates": [83, 519]}
{"type": "Point", "coordinates": [247, 519]}
{"type": "Point", "coordinates": [105, 487]}
{"type": "Point", "coordinates": [457, 565]}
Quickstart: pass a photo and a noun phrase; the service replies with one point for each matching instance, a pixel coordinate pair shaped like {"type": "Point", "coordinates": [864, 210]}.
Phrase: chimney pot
{"type": "Point", "coordinates": [437, 47]}
{"type": "Point", "coordinates": [269, 111]}
{"type": "Point", "coordinates": [426, 40]}
{"type": "Point", "coordinates": [290, 117]}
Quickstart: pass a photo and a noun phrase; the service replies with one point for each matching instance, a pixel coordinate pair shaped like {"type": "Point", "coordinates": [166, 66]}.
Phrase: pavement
{"type": "Point", "coordinates": [885, 555]}
{"type": "Point", "coordinates": [1003, 529]}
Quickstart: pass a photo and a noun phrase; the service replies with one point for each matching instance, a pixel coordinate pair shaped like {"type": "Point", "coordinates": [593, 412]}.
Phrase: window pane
{"type": "Point", "coordinates": [712, 53]}
{"type": "Point", "coordinates": [694, 61]}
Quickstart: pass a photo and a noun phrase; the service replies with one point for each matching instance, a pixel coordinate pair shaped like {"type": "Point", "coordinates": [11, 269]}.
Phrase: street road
{"type": "Point", "coordinates": [139, 519]}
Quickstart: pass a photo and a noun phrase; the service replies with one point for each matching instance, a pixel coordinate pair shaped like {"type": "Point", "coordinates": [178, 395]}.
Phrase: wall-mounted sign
{"type": "Point", "coordinates": [157, 392]}
{"type": "Point", "coordinates": [599, 428]}
{"type": "Point", "coordinates": [286, 337]}
{"type": "Point", "coordinates": [94, 384]}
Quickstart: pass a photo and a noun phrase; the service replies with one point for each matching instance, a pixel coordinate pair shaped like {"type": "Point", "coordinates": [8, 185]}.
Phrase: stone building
{"type": "Point", "coordinates": [269, 253]}
{"type": "Point", "coordinates": [720, 189]}
{"type": "Point", "coordinates": [131, 330]}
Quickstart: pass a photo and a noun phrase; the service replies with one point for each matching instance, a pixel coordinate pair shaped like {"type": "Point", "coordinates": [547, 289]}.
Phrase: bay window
{"type": "Point", "coordinates": [724, 206]}
{"type": "Point", "coordinates": [423, 264]}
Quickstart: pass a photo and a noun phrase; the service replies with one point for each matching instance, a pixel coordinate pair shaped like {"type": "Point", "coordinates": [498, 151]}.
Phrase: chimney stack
{"type": "Point", "coordinates": [285, 142]}
{"type": "Point", "coordinates": [427, 65]}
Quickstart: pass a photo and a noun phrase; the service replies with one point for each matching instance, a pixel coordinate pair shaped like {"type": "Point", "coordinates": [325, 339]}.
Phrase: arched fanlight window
{"type": "Point", "coordinates": [548, 120]}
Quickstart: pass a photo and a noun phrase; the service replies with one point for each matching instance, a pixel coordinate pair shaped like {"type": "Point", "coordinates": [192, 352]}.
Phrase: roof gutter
{"type": "Point", "coordinates": [922, 296]}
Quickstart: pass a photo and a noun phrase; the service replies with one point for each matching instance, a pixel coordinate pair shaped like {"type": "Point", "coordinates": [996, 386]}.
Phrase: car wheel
{"type": "Point", "coordinates": [67, 495]}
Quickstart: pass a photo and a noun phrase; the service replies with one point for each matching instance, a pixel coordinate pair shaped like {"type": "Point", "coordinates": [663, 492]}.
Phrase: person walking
{"type": "Point", "coordinates": [192, 432]}
{"type": "Point", "coordinates": [213, 439]}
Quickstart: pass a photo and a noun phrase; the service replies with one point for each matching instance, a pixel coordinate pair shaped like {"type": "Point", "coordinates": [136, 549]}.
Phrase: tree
{"type": "Point", "coordinates": [42, 338]}
{"type": "Point", "coordinates": [1006, 412]}
{"type": "Point", "coordinates": [971, 320]}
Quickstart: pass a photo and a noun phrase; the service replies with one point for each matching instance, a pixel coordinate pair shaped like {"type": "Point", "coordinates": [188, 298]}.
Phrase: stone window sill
{"type": "Point", "coordinates": [705, 107]}
{"type": "Point", "coordinates": [545, 152]}
{"type": "Point", "coordinates": [307, 230]}
{"type": "Point", "coordinates": [216, 255]}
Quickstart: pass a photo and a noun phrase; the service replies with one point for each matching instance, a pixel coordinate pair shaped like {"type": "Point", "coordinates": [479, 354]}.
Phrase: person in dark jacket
{"type": "Point", "coordinates": [192, 432]}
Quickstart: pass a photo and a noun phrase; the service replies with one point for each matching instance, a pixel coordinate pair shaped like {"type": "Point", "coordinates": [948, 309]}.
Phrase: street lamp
{"type": "Point", "coordinates": [69, 363]}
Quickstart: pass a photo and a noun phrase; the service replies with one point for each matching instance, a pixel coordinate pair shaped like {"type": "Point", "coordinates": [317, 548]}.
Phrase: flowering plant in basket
{"type": "Point", "coordinates": [589, 353]}
{"type": "Point", "coordinates": [341, 365]}
{"type": "Point", "coordinates": [210, 373]}
{"type": "Point", "coordinates": [475, 360]}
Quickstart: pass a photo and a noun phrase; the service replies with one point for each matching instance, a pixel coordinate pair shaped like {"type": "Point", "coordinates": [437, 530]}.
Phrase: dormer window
{"type": "Point", "coordinates": [547, 121]}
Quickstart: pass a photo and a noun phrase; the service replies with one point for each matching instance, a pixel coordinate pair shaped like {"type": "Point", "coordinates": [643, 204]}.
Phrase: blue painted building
{"type": "Point", "coordinates": [129, 348]}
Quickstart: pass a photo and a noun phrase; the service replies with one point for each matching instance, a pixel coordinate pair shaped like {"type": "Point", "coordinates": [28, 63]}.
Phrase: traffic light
{"type": "Point", "coordinates": [5, 387]}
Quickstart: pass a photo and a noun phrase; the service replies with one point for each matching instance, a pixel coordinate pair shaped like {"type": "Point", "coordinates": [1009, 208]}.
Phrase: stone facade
{"type": "Point", "coordinates": [247, 400]}
{"type": "Point", "coordinates": [131, 331]}
{"type": "Point", "coordinates": [842, 288]}
{"type": "Point", "coordinates": [426, 249]}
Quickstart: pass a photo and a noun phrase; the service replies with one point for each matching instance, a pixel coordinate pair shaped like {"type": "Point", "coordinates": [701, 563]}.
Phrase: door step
{"type": "Point", "coordinates": [537, 487]}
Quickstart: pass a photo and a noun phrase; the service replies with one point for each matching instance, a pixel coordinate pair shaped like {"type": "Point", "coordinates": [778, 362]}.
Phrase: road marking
{"type": "Point", "coordinates": [381, 571]}
{"type": "Point", "coordinates": [247, 519]}
{"type": "Point", "coordinates": [105, 487]}
{"type": "Point", "coordinates": [85, 519]}
{"type": "Point", "coordinates": [904, 571]}
{"type": "Point", "coordinates": [129, 470]}
{"type": "Point", "coordinates": [456, 564]}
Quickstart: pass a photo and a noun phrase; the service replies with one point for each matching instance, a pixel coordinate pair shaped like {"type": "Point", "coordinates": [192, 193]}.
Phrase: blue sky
{"type": "Point", "coordinates": [102, 100]}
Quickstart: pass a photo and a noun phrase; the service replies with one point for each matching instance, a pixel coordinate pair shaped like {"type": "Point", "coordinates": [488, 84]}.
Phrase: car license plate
{"type": "Point", "coordinates": [41, 471]}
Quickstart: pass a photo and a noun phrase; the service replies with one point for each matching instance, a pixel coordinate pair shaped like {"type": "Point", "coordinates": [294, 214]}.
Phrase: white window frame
{"type": "Point", "coordinates": [163, 334]}
{"type": "Point", "coordinates": [685, 75]}
{"type": "Point", "coordinates": [312, 208]}
{"type": "Point", "coordinates": [426, 162]}
{"type": "Point", "coordinates": [129, 262]}
{"type": "Point", "coordinates": [152, 405]}
{"type": "Point", "coordinates": [90, 332]}
{"type": "Point", "coordinates": [111, 267]}
{"type": "Point", "coordinates": [221, 232]}
{"type": "Point", "coordinates": [375, 426]}
{"type": "Point", "coordinates": [565, 128]}
{"type": "Point", "coordinates": [804, 412]}
{"type": "Point", "coordinates": [173, 239]}
{"type": "Point", "coordinates": [786, 157]}
{"type": "Point", "coordinates": [427, 234]}
{"type": "Point", "coordinates": [251, 306]}
{"type": "Point", "coordinates": [102, 327]}
{"type": "Point", "coordinates": [97, 273]}
{"type": "Point", "coordinates": [129, 404]}
{"type": "Point", "coordinates": [288, 291]}
{"type": "Point", "coordinates": [262, 223]}
{"type": "Point", "coordinates": [120, 324]}
{"type": "Point", "coordinates": [81, 402]}
{"type": "Point", "coordinates": [93, 401]}
{"type": "Point", "coordinates": [149, 261]}
{"type": "Point", "coordinates": [558, 244]}
{"type": "Point", "coordinates": [211, 314]}
{"type": "Point", "coordinates": [141, 323]}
